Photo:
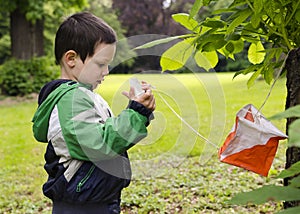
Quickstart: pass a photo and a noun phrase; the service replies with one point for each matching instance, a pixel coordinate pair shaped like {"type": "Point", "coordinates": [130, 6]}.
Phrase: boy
{"type": "Point", "coordinates": [86, 157]}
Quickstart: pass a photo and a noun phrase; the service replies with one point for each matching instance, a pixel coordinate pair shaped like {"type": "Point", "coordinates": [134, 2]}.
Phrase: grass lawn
{"type": "Point", "coordinates": [174, 170]}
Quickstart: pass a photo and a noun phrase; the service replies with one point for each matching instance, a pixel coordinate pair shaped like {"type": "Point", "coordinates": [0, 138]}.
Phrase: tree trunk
{"type": "Point", "coordinates": [293, 98]}
{"type": "Point", "coordinates": [26, 37]}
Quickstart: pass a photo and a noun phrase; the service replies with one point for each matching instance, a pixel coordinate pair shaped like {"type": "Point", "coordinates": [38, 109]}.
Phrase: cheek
{"type": "Point", "coordinates": [88, 73]}
{"type": "Point", "coordinates": [90, 69]}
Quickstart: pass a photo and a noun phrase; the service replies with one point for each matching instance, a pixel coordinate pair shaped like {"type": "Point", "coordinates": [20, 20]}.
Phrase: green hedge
{"type": "Point", "coordinates": [22, 77]}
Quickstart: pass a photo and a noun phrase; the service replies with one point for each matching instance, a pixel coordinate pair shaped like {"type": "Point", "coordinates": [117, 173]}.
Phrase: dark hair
{"type": "Point", "coordinates": [81, 32]}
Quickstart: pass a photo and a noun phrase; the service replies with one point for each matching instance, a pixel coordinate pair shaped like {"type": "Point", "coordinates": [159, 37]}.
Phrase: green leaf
{"type": "Point", "coordinates": [292, 210]}
{"type": "Point", "coordinates": [195, 8]}
{"type": "Point", "coordinates": [278, 19]}
{"type": "Point", "coordinates": [249, 33]}
{"type": "Point", "coordinates": [209, 37]}
{"type": "Point", "coordinates": [212, 57]}
{"type": "Point", "coordinates": [291, 171]}
{"type": "Point", "coordinates": [268, 74]}
{"type": "Point", "coordinates": [202, 61]}
{"type": "Point", "coordinates": [159, 41]}
{"type": "Point", "coordinates": [233, 37]}
{"type": "Point", "coordinates": [186, 21]}
{"type": "Point", "coordinates": [213, 23]}
{"type": "Point", "coordinates": [248, 70]}
{"type": "Point", "coordinates": [241, 17]}
{"type": "Point", "coordinates": [297, 15]}
{"type": "Point", "coordinates": [229, 47]}
{"type": "Point", "coordinates": [272, 53]}
{"type": "Point", "coordinates": [295, 182]}
{"type": "Point", "coordinates": [267, 193]}
{"type": "Point", "coordinates": [206, 60]}
{"type": "Point", "coordinates": [210, 42]}
{"type": "Point", "coordinates": [212, 46]}
{"type": "Point", "coordinates": [250, 38]}
{"type": "Point", "coordinates": [256, 53]}
{"type": "Point", "coordinates": [258, 5]}
{"type": "Point", "coordinates": [225, 53]}
{"type": "Point", "coordinates": [279, 52]}
{"type": "Point", "coordinates": [255, 20]}
{"type": "Point", "coordinates": [238, 46]}
{"type": "Point", "coordinates": [269, 8]}
{"type": "Point", "coordinates": [206, 2]}
{"type": "Point", "coordinates": [294, 134]}
{"type": "Point", "coordinates": [254, 76]}
{"type": "Point", "coordinates": [176, 56]}
{"type": "Point", "coordinates": [290, 112]}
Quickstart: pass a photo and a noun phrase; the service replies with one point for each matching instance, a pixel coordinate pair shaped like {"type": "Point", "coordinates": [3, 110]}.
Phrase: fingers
{"type": "Point", "coordinates": [147, 100]}
{"type": "Point", "coordinates": [126, 94]}
{"type": "Point", "coordinates": [145, 85]}
{"type": "Point", "coordinates": [130, 95]}
{"type": "Point", "coordinates": [151, 104]}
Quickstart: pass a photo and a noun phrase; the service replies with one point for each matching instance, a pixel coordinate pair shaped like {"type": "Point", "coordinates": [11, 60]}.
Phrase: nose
{"type": "Point", "coordinates": [106, 71]}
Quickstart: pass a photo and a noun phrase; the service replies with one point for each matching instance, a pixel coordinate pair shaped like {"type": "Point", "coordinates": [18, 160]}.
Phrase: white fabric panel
{"type": "Point", "coordinates": [250, 134]}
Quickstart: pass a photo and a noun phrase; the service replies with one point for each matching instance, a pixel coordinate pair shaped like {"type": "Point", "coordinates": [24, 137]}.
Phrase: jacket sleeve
{"type": "Point", "coordinates": [88, 137]}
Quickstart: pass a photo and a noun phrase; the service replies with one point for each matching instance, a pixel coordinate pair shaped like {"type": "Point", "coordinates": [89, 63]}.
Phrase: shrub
{"type": "Point", "coordinates": [21, 77]}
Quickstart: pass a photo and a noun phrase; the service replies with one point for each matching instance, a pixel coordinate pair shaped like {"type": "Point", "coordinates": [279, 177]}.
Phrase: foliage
{"type": "Point", "coordinates": [270, 26]}
{"type": "Point", "coordinates": [34, 9]}
{"type": "Point", "coordinates": [150, 17]}
{"type": "Point", "coordinates": [146, 18]}
{"type": "Point", "coordinates": [4, 37]}
{"type": "Point", "coordinates": [53, 13]}
{"type": "Point", "coordinates": [21, 77]}
{"type": "Point", "coordinates": [48, 11]}
{"type": "Point", "coordinates": [294, 135]}
{"type": "Point", "coordinates": [269, 193]}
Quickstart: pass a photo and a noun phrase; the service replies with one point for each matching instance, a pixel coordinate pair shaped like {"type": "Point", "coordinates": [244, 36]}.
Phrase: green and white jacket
{"type": "Point", "coordinates": [86, 156]}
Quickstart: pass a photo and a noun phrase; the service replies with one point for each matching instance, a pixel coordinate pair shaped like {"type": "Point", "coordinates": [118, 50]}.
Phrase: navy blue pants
{"type": "Point", "coordinates": [68, 208]}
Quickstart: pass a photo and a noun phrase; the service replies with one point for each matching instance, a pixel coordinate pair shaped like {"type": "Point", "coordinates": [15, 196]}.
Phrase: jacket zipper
{"type": "Point", "coordinates": [83, 180]}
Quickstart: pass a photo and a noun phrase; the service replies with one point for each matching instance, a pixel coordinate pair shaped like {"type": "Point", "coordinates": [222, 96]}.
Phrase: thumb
{"type": "Point", "coordinates": [126, 94]}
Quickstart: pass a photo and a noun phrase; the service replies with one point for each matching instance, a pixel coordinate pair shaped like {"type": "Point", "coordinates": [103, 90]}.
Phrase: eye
{"type": "Point", "coordinates": [102, 65]}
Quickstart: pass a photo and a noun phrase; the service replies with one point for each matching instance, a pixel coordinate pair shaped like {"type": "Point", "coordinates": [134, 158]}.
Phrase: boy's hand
{"type": "Point", "coordinates": [147, 99]}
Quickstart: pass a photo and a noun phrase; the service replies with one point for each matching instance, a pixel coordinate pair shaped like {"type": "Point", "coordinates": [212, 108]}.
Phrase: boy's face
{"type": "Point", "coordinates": [93, 70]}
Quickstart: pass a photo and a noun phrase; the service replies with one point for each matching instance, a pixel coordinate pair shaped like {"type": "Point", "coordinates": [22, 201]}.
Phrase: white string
{"type": "Point", "coordinates": [186, 123]}
{"type": "Point", "coordinates": [272, 86]}
{"type": "Point", "coordinates": [257, 113]}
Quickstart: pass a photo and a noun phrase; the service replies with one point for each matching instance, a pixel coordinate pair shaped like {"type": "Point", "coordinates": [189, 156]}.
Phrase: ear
{"type": "Point", "coordinates": [70, 58]}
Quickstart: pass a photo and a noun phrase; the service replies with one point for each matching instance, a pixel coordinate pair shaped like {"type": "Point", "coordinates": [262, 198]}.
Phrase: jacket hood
{"type": "Point", "coordinates": [42, 115]}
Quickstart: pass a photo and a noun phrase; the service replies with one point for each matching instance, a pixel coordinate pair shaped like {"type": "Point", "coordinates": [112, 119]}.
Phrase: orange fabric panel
{"type": "Point", "coordinates": [257, 159]}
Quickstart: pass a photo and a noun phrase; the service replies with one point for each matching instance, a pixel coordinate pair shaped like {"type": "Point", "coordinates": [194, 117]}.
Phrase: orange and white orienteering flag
{"type": "Point", "coordinates": [252, 142]}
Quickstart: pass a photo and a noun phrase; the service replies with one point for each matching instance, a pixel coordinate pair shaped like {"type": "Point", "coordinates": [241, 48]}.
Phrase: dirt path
{"type": "Point", "coordinates": [8, 101]}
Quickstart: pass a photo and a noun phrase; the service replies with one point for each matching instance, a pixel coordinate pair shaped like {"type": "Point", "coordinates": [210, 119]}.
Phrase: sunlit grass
{"type": "Point", "coordinates": [208, 102]}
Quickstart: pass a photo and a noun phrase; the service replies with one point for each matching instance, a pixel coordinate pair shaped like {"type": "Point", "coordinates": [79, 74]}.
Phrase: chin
{"type": "Point", "coordinates": [95, 86]}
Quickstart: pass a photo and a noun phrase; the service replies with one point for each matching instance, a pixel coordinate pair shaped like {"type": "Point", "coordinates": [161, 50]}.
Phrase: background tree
{"type": "Point", "coordinates": [150, 17]}
{"type": "Point", "coordinates": [27, 18]}
{"type": "Point", "coordinates": [4, 37]}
